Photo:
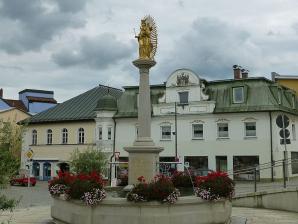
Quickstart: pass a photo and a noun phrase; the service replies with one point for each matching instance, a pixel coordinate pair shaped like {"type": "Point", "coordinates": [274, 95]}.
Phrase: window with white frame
{"type": "Point", "coordinates": [109, 133]}
{"type": "Point", "coordinates": [64, 136]}
{"type": "Point", "coordinates": [197, 131]}
{"type": "Point", "coordinates": [34, 137]}
{"type": "Point", "coordinates": [49, 136]}
{"type": "Point", "coordinates": [250, 129]}
{"type": "Point", "coordinates": [81, 135]}
{"type": "Point", "coordinates": [238, 94]}
{"type": "Point", "coordinates": [293, 132]}
{"type": "Point", "coordinates": [99, 133]}
{"type": "Point", "coordinates": [223, 130]}
{"type": "Point", "coordinates": [183, 97]}
{"type": "Point", "coordinates": [166, 132]}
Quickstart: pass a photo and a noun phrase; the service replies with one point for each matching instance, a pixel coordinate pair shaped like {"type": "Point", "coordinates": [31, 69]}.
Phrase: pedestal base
{"type": "Point", "coordinates": [143, 161]}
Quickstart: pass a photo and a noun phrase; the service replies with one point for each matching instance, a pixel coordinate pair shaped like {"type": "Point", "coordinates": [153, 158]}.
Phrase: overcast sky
{"type": "Point", "coordinates": [71, 46]}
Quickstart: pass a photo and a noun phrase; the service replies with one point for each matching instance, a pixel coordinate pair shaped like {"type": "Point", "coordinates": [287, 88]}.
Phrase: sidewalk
{"type": "Point", "coordinates": [41, 215]}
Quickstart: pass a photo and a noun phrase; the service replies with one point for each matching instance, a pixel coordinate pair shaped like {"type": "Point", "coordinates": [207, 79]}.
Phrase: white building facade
{"type": "Point", "coordinates": [226, 125]}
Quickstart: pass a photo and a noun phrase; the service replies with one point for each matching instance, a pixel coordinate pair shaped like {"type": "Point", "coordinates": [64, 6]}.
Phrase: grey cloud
{"type": "Point", "coordinates": [94, 52]}
{"type": "Point", "coordinates": [71, 5]}
{"type": "Point", "coordinates": [34, 24]}
{"type": "Point", "coordinates": [211, 47]}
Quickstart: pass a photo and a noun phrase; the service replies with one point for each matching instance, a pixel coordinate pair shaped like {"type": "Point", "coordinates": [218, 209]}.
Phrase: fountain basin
{"type": "Point", "coordinates": [187, 210]}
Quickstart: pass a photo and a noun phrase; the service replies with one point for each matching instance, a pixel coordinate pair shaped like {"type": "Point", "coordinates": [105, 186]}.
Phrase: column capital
{"type": "Point", "coordinates": [144, 63]}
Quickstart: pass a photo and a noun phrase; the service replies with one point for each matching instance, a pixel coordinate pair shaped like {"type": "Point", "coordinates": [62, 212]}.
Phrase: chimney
{"type": "Point", "coordinates": [1, 93]}
{"type": "Point", "coordinates": [237, 72]}
{"type": "Point", "coordinates": [244, 73]}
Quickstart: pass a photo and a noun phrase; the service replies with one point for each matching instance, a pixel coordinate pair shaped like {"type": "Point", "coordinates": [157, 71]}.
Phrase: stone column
{"type": "Point", "coordinates": [143, 155]}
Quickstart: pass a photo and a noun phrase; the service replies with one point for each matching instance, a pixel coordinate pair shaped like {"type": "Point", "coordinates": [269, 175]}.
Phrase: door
{"type": "Point", "coordinates": [46, 171]}
{"type": "Point", "coordinates": [221, 163]}
{"type": "Point", "coordinates": [36, 169]}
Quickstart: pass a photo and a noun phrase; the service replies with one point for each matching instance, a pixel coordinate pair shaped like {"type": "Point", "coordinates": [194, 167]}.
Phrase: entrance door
{"type": "Point", "coordinates": [36, 168]}
{"type": "Point", "coordinates": [46, 171]}
{"type": "Point", "coordinates": [221, 163]}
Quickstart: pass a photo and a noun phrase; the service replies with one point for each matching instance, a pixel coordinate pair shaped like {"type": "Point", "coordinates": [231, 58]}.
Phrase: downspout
{"type": "Point", "coordinates": [113, 155]}
{"type": "Point", "coordinates": [271, 148]}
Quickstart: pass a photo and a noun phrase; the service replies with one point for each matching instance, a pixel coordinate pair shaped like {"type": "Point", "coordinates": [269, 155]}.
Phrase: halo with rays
{"type": "Point", "coordinates": [153, 35]}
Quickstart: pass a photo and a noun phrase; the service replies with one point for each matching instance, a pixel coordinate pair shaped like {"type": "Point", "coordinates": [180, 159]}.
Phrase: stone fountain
{"type": "Point", "coordinates": [143, 161]}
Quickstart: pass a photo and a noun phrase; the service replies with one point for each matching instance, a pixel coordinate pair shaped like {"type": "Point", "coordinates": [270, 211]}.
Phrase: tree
{"type": "Point", "coordinates": [88, 161]}
{"type": "Point", "coordinates": [10, 154]}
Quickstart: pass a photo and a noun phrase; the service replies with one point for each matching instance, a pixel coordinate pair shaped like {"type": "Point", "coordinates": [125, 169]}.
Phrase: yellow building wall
{"type": "Point", "coordinates": [59, 151]}
{"type": "Point", "coordinates": [14, 115]}
{"type": "Point", "coordinates": [290, 83]}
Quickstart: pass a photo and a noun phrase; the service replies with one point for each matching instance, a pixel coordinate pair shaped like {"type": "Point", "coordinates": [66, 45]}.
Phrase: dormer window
{"type": "Point", "coordinates": [183, 97]}
{"type": "Point", "coordinates": [279, 95]}
{"type": "Point", "coordinates": [293, 101]}
{"type": "Point", "coordinates": [238, 95]}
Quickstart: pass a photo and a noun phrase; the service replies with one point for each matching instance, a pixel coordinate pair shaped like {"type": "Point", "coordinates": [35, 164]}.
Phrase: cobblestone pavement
{"type": "Point", "coordinates": [32, 196]}
{"type": "Point", "coordinates": [265, 216]}
{"type": "Point", "coordinates": [34, 207]}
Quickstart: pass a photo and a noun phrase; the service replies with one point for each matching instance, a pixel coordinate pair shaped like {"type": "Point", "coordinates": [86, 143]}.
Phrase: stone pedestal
{"type": "Point", "coordinates": [143, 155]}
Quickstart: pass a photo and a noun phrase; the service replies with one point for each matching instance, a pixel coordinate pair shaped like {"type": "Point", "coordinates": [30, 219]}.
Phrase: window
{"type": "Point", "coordinates": [34, 137]}
{"type": "Point", "coordinates": [250, 129]}
{"type": "Point", "coordinates": [279, 96]}
{"type": "Point", "coordinates": [99, 133]}
{"type": "Point", "coordinates": [49, 137]}
{"type": "Point", "coordinates": [166, 132]}
{"type": "Point", "coordinates": [109, 133]}
{"type": "Point", "coordinates": [183, 97]}
{"type": "Point", "coordinates": [81, 136]}
{"type": "Point", "coordinates": [222, 130]}
{"type": "Point", "coordinates": [294, 102]}
{"type": "Point", "coordinates": [294, 159]}
{"type": "Point", "coordinates": [197, 131]}
{"type": "Point", "coordinates": [293, 132]}
{"type": "Point", "coordinates": [238, 95]}
{"type": "Point", "coordinates": [64, 136]}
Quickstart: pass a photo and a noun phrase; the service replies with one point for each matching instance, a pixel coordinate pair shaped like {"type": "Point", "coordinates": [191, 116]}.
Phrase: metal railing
{"type": "Point", "coordinates": [256, 171]}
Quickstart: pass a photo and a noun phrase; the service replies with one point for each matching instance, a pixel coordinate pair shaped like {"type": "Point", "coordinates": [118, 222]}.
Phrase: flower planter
{"type": "Point", "coordinates": [187, 210]}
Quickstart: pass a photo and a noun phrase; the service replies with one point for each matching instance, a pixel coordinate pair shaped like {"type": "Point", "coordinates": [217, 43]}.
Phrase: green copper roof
{"type": "Point", "coordinates": [80, 107]}
{"type": "Point", "coordinates": [260, 94]}
{"type": "Point", "coordinates": [107, 102]}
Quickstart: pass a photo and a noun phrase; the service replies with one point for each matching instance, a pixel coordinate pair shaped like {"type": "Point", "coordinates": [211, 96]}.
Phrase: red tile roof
{"type": "Point", "coordinates": [17, 104]}
{"type": "Point", "coordinates": [41, 99]}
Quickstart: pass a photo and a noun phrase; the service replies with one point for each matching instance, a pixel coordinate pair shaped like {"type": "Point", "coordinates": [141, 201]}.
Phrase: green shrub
{"type": "Point", "coordinates": [88, 161]}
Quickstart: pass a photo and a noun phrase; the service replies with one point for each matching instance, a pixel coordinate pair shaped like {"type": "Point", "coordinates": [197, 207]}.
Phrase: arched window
{"type": "Point", "coordinates": [49, 137]}
{"type": "Point", "coordinates": [81, 136]}
{"type": "Point", "coordinates": [34, 137]}
{"type": "Point", "coordinates": [64, 136]}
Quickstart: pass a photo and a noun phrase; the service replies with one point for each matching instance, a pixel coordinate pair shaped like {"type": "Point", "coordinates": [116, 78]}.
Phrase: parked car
{"type": "Point", "coordinates": [23, 180]}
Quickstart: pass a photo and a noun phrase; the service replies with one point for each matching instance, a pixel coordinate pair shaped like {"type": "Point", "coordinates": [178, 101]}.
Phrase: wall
{"type": "Point", "coordinates": [57, 151]}
{"type": "Point", "coordinates": [13, 115]}
{"type": "Point", "coordinates": [23, 96]}
{"type": "Point", "coordinates": [286, 200]}
{"type": "Point", "coordinates": [290, 83]}
{"type": "Point", "coordinates": [187, 210]}
{"type": "Point", "coordinates": [211, 146]}
{"type": "Point", "coordinates": [36, 107]}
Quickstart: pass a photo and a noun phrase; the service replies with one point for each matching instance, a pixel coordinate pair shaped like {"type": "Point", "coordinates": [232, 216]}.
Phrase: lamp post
{"type": "Point", "coordinates": [175, 132]}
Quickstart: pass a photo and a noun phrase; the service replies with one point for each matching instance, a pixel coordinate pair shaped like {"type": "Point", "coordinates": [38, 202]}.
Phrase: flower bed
{"type": "Point", "coordinates": [160, 189]}
{"type": "Point", "coordinates": [85, 187]}
{"type": "Point", "coordinates": [215, 186]}
{"type": "Point", "coordinates": [182, 179]}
